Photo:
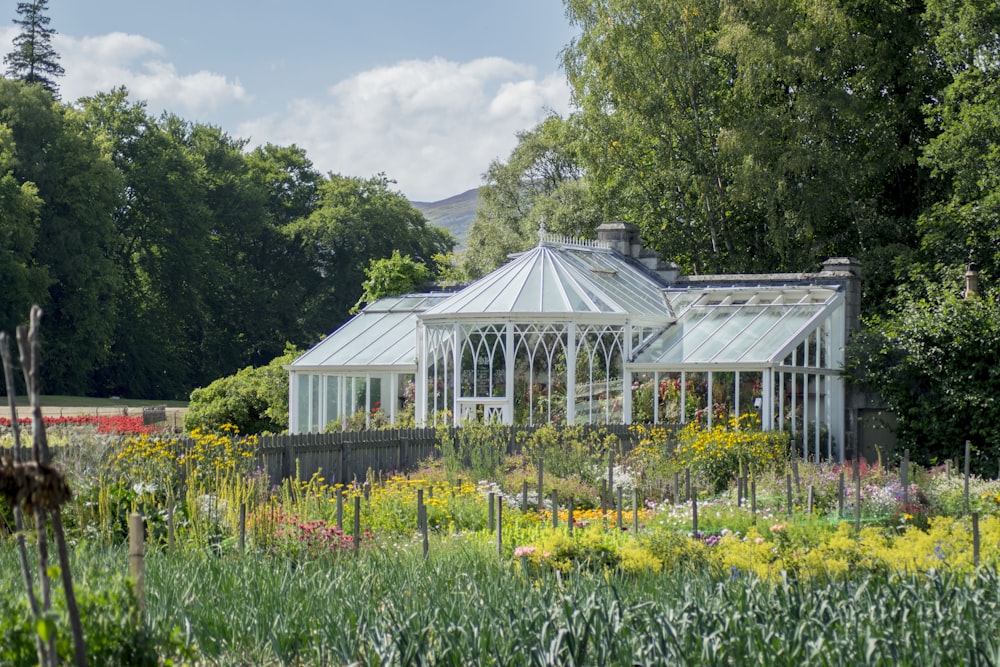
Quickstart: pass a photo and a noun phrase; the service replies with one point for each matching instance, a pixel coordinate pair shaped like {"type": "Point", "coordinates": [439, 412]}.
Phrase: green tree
{"type": "Point", "coordinates": [255, 399]}
{"type": "Point", "coordinates": [24, 282]}
{"type": "Point", "coordinates": [33, 59]}
{"type": "Point", "coordinates": [355, 221]}
{"type": "Point", "coordinates": [935, 361]}
{"type": "Point", "coordinates": [753, 136]}
{"type": "Point", "coordinates": [541, 183]}
{"type": "Point", "coordinates": [77, 186]}
{"type": "Point", "coordinates": [390, 276]}
{"type": "Point", "coordinates": [965, 154]}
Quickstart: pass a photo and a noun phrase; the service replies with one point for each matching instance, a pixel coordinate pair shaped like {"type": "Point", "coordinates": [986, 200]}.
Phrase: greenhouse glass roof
{"type": "Point", "coordinates": [736, 327]}
{"type": "Point", "coordinates": [379, 337]}
{"type": "Point", "coordinates": [562, 279]}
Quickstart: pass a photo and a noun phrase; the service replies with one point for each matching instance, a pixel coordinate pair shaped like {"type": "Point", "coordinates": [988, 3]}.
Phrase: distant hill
{"type": "Point", "coordinates": [454, 213]}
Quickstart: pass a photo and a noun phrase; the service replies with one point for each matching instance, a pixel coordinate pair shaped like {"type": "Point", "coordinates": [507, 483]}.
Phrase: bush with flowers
{"type": "Point", "coordinates": [720, 453]}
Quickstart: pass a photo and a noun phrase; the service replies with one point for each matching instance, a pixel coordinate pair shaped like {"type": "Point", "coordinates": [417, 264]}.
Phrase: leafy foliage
{"type": "Point", "coordinates": [390, 276]}
{"type": "Point", "coordinates": [933, 360]}
{"type": "Point", "coordinates": [254, 400]}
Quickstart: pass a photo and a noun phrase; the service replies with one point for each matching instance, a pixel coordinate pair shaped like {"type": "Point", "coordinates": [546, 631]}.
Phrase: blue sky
{"type": "Point", "coordinates": [428, 92]}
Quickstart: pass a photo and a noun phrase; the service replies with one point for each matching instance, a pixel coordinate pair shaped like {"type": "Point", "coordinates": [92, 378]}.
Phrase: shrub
{"type": "Point", "coordinates": [720, 453]}
{"type": "Point", "coordinates": [255, 400]}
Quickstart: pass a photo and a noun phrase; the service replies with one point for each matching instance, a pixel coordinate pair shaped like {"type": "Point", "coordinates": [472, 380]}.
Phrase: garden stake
{"type": "Point", "coordinates": [840, 497]}
{"type": "Point", "coordinates": [500, 525]}
{"type": "Point", "coordinates": [541, 491]}
{"type": "Point", "coordinates": [422, 519]}
{"type": "Point", "coordinates": [243, 527]}
{"type": "Point", "coordinates": [604, 503]}
{"type": "Point", "coordinates": [687, 483]}
{"type": "Point", "coordinates": [170, 526]}
{"type": "Point", "coordinates": [619, 508]}
{"type": "Point", "coordinates": [611, 469]}
{"type": "Point", "coordinates": [857, 502]}
{"type": "Point", "coordinates": [694, 513]}
{"type": "Point", "coordinates": [136, 559]}
{"type": "Point", "coordinates": [569, 517]}
{"type": "Point", "coordinates": [635, 511]}
{"type": "Point", "coordinates": [975, 539]}
{"type": "Point", "coordinates": [489, 511]}
{"type": "Point", "coordinates": [809, 500]}
{"type": "Point", "coordinates": [788, 490]}
{"type": "Point", "coordinates": [555, 509]}
{"type": "Point", "coordinates": [753, 501]}
{"type": "Point", "coordinates": [904, 473]}
{"type": "Point", "coordinates": [524, 497]}
{"type": "Point", "coordinates": [968, 447]}
{"type": "Point", "coordinates": [340, 509]}
{"type": "Point", "coordinates": [357, 524]}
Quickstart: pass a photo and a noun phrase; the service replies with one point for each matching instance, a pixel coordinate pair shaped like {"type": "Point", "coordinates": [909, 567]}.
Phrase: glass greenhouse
{"type": "Point", "coordinates": [575, 332]}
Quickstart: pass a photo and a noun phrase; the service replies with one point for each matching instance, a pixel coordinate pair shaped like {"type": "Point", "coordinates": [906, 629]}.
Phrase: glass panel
{"type": "Point", "coordinates": [332, 398]}
{"type": "Point", "coordinates": [778, 337]}
{"type": "Point", "coordinates": [314, 403]}
{"type": "Point", "coordinates": [696, 397]}
{"type": "Point", "coordinates": [643, 397]}
{"type": "Point", "coordinates": [723, 397]}
{"type": "Point", "coordinates": [718, 329]}
{"type": "Point", "coordinates": [302, 411]}
{"type": "Point", "coordinates": [670, 398]}
{"type": "Point", "coordinates": [751, 398]}
{"type": "Point", "coordinates": [375, 400]}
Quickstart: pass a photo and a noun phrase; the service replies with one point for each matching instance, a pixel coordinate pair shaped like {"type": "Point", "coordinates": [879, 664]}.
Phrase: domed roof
{"type": "Point", "coordinates": [570, 279]}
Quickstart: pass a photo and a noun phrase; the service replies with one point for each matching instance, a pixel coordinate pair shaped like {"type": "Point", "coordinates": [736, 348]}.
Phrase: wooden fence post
{"type": "Point", "coordinates": [243, 527]}
{"type": "Point", "coordinates": [524, 496]}
{"type": "Point", "coordinates": [968, 453]}
{"type": "Point", "coordinates": [904, 478]}
{"type": "Point", "coordinates": [555, 509]}
{"type": "Point", "coordinates": [694, 512]}
{"type": "Point", "coordinates": [618, 504]}
{"type": "Point", "coordinates": [753, 501]}
{"type": "Point", "coordinates": [357, 524]}
{"type": "Point", "coordinates": [788, 493]}
{"type": "Point", "coordinates": [635, 511]}
{"type": "Point", "coordinates": [489, 511]}
{"type": "Point", "coordinates": [975, 539]}
{"type": "Point", "coordinates": [499, 525]}
{"type": "Point", "coordinates": [137, 558]}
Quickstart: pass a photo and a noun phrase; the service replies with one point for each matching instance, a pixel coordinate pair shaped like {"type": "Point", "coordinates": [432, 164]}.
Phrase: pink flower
{"type": "Point", "coordinates": [520, 552]}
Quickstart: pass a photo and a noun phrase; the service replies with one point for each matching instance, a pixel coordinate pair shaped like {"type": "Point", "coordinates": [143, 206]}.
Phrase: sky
{"type": "Point", "coordinates": [429, 93]}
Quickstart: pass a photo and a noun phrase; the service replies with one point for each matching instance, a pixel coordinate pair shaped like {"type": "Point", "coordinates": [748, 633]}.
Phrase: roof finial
{"type": "Point", "coordinates": [541, 232]}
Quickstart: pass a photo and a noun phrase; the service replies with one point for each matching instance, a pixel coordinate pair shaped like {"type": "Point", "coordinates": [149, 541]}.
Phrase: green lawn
{"type": "Point", "coordinates": [88, 402]}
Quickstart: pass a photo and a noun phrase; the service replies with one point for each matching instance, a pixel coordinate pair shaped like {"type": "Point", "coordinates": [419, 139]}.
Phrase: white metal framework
{"type": "Point", "coordinates": [572, 332]}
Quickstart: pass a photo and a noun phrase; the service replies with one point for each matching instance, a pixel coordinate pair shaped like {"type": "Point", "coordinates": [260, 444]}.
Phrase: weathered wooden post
{"type": "Point", "coordinates": [243, 527]}
{"type": "Point", "coordinates": [618, 506]}
{"type": "Point", "coordinates": [635, 511]}
{"type": "Point", "coordinates": [499, 525]}
{"type": "Point", "coordinates": [904, 478]}
{"type": "Point", "coordinates": [788, 494]}
{"type": "Point", "coordinates": [137, 558]}
{"type": "Point", "coordinates": [694, 513]}
{"type": "Point", "coordinates": [357, 524]}
{"type": "Point", "coordinates": [809, 500]}
{"type": "Point", "coordinates": [541, 479]}
{"type": "Point", "coordinates": [975, 539]}
{"type": "Point", "coordinates": [340, 510]}
{"type": "Point", "coordinates": [524, 497]}
{"type": "Point", "coordinates": [422, 519]}
{"type": "Point", "coordinates": [555, 508]}
{"type": "Point", "coordinates": [489, 511]}
{"type": "Point", "coordinates": [753, 501]}
{"type": "Point", "coordinates": [840, 496]}
{"type": "Point", "coordinates": [569, 516]}
{"type": "Point", "coordinates": [968, 454]}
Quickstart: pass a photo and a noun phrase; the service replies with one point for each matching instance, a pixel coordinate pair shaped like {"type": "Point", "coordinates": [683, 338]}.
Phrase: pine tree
{"type": "Point", "coordinates": [33, 59]}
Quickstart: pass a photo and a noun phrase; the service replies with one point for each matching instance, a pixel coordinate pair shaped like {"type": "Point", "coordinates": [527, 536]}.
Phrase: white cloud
{"type": "Point", "coordinates": [433, 126]}
{"type": "Point", "coordinates": [99, 64]}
